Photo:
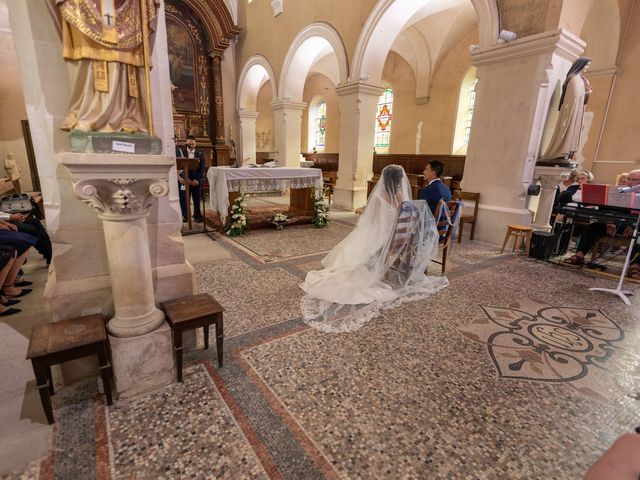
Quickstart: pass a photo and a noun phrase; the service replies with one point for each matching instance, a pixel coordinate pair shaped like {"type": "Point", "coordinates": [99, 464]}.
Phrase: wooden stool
{"type": "Point", "coordinates": [192, 312]}
{"type": "Point", "coordinates": [518, 232]}
{"type": "Point", "coordinates": [58, 342]}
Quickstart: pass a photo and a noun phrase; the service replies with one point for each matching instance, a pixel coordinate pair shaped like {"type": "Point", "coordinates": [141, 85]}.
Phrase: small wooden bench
{"type": "Point", "coordinates": [188, 313]}
{"type": "Point", "coordinates": [66, 340]}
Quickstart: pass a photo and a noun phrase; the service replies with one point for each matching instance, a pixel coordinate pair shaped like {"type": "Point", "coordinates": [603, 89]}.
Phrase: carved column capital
{"type": "Point", "coordinates": [120, 196]}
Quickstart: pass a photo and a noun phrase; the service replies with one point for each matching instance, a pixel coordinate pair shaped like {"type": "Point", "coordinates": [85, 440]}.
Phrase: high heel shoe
{"type": "Point", "coordinates": [10, 311]}
{"type": "Point", "coordinates": [7, 303]}
{"type": "Point", "coordinates": [24, 283]}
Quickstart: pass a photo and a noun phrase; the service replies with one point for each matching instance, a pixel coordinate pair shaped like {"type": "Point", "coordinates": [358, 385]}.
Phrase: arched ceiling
{"type": "Point", "coordinates": [429, 36]}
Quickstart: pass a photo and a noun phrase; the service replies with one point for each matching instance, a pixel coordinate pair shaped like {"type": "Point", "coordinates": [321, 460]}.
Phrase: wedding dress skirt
{"type": "Point", "coordinates": [379, 265]}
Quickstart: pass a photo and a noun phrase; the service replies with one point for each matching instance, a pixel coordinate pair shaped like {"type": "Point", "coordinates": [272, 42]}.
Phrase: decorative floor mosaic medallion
{"type": "Point", "coordinates": [545, 343]}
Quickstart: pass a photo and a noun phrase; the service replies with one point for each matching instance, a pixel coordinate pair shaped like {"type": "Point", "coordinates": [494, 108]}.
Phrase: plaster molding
{"type": "Point", "coordinates": [602, 72]}
{"type": "Point", "coordinates": [283, 104]}
{"type": "Point", "coordinates": [248, 114]}
{"type": "Point", "coordinates": [360, 89]}
{"type": "Point", "coordinates": [561, 41]}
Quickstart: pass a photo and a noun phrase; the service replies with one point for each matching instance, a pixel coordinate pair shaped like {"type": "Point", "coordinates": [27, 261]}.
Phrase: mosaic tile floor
{"type": "Point", "coordinates": [427, 390]}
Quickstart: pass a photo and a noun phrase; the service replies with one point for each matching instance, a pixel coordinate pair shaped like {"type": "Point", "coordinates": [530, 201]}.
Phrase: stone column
{"type": "Point", "coordinates": [247, 153]}
{"type": "Point", "coordinates": [507, 128]}
{"type": "Point", "coordinates": [549, 178]}
{"type": "Point", "coordinates": [122, 189]}
{"type": "Point", "coordinates": [219, 145]}
{"type": "Point", "coordinates": [358, 103]}
{"type": "Point", "coordinates": [288, 128]}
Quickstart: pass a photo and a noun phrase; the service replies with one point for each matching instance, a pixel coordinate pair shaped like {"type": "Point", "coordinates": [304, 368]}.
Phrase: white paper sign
{"type": "Point", "coordinates": [125, 147]}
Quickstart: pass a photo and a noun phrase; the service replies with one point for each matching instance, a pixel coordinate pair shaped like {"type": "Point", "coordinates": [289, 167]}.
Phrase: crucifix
{"type": "Point", "coordinates": [109, 17]}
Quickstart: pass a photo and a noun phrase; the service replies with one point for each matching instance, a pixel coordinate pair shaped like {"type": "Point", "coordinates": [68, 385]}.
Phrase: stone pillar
{"type": "Point", "coordinates": [549, 178]}
{"type": "Point", "coordinates": [506, 130]}
{"type": "Point", "coordinates": [220, 147]}
{"type": "Point", "coordinates": [288, 128]}
{"type": "Point", "coordinates": [358, 103]}
{"type": "Point", "coordinates": [247, 153]}
{"type": "Point", "coordinates": [122, 193]}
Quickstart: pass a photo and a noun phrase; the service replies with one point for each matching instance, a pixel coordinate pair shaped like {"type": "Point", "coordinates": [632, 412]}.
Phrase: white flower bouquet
{"type": "Point", "coordinates": [320, 209]}
{"type": "Point", "coordinates": [237, 223]}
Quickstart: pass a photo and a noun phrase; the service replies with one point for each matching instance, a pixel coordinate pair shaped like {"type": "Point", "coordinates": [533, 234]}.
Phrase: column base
{"type": "Point", "coordinates": [135, 326]}
{"type": "Point", "coordinates": [143, 363]}
{"type": "Point", "coordinates": [349, 199]}
{"type": "Point", "coordinates": [492, 222]}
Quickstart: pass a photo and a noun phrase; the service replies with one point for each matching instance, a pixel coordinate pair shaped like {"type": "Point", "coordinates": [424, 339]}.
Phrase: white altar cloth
{"type": "Point", "coordinates": [223, 180]}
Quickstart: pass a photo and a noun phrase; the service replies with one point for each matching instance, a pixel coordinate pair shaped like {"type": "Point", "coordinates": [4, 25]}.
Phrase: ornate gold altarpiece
{"type": "Point", "coordinates": [198, 33]}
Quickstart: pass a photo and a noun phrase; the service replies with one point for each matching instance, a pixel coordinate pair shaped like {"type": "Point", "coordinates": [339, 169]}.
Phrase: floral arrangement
{"type": "Point", "coordinates": [320, 209]}
{"type": "Point", "coordinates": [237, 224]}
{"type": "Point", "coordinates": [279, 219]}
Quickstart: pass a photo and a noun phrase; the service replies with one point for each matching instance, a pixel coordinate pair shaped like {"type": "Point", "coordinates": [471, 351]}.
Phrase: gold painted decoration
{"type": "Point", "coordinates": [100, 76]}
{"type": "Point", "coordinates": [133, 81]}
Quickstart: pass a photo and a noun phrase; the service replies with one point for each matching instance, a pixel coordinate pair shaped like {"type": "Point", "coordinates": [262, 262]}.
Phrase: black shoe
{"type": "Point", "coordinates": [197, 219]}
{"type": "Point", "coordinates": [24, 292]}
{"type": "Point", "coordinates": [10, 311]}
{"type": "Point", "coordinates": [24, 283]}
{"type": "Point", "coordinates": [184, 219]}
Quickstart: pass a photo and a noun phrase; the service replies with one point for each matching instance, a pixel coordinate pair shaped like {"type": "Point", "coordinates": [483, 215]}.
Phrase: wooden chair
{"type": "Point", "coordinates": [446, 213]}
{"type": "Point", "coordinates": [606, 242]}
{"type": "Point", "coordinates": [467, 217]}
{"type": "Point", "coordinates": [403, 248]}
{"type": "Point", "coordinates": [329, 183]}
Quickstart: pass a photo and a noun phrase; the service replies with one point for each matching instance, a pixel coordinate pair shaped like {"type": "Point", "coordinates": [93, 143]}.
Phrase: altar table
{"type": "Point", "coordinates": [224, 181]}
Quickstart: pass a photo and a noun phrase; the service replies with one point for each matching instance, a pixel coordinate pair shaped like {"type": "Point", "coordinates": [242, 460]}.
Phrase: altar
{"type": "Point", "coordinates": [225, 182]}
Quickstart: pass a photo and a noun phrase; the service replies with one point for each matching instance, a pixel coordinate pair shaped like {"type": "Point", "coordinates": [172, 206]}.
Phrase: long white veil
{"type": "Point", "coordinates": [379, 265]}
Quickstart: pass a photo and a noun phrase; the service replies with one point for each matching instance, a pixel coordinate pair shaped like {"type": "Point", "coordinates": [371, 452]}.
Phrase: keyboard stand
{"type": "Point", "coordinates": [623, 294]}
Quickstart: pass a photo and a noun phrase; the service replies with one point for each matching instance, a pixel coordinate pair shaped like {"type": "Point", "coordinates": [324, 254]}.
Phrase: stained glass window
{"type": "Point", "coordinates": [320, 125]}
{"type": "Point", "coordinates": [472, 102]}
{"type": "Point", "coordinates": [383, 120]}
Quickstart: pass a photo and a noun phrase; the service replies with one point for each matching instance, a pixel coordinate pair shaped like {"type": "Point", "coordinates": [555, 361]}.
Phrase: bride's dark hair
{"type": "Point", "coordinates": [392, 178]}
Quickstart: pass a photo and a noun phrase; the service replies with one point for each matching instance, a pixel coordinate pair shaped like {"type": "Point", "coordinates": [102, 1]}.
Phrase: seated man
{"type": "Point", "coordinates": [435, 189]}
{"type": "Point", "coordinates": [597, 230]}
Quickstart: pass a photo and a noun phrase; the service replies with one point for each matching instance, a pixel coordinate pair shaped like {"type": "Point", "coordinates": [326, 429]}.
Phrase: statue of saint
{"type": "Point", "coordinates": [575, 95]}
{"type": "Point", "coordinates": [14, 173]}
{"type": "Point", "coordinates": [103, 41]}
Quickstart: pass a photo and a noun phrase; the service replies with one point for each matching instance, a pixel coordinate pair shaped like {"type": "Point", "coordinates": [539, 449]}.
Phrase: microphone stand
{"type": "Point", "coordinates": [618, 290]}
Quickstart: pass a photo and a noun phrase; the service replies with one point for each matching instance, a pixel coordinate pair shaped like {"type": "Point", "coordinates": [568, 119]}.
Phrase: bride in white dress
{"type": "Point", "coordinates": [379, 265]}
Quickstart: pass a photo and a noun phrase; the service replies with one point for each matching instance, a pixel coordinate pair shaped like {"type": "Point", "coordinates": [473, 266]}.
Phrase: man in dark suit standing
{"type": "Point", "coordinates": [435, 189]}
{"type": "Point", "coordinates": [195, 178]}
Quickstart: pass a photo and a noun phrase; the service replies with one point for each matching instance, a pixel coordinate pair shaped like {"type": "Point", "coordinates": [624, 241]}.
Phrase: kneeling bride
{"type": "Point", "coordinates": [379, 265]}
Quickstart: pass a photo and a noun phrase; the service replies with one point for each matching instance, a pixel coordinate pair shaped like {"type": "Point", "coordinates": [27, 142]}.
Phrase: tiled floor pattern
{"type": "Point", "coordinates": [410, 395]}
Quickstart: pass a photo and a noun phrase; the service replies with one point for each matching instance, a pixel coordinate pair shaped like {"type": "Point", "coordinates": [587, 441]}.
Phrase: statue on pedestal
{"type": "Point", "coordinates": [104, 41]}
{"type": "Point", "coordinates": [14, 173]}
{"type": "Point", "coordinates": [566, 136]}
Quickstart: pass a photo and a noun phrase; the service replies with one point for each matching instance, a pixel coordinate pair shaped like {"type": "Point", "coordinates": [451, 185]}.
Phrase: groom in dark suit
{"type": "Point", "coordinates": [195, 178]}
{"type": "Point", "coordinates": [434, 189]}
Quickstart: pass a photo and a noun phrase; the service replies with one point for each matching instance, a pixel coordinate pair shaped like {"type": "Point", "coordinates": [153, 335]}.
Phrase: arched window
{"type": "Point", "coordinates": [466, 104]}
{"type": "Point", "coordinates": [472, 102]}
{"type": "Point", "coordinates": [384, 114]}
{"type": "Point", "coordinates": [318, 126]}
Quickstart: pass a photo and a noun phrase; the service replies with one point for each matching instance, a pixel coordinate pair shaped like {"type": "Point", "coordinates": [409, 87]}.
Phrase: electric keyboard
{"type": "Point", "coordinates": [599, 213]}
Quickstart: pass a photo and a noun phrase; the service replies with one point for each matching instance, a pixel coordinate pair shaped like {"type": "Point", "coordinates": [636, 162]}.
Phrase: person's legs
{"type": "Point", "coordinates": [7, 285]}
{"type": "Point", "coordinates": [4, 303]}
{"type": "Point", "coordinates": [34, 228]}
{"type": "Point", "coordinates": [592, 233]}
{"type": "Point", "coordinates": [183, 202]}
{"type": "Point", "coordinates": [195, 194]}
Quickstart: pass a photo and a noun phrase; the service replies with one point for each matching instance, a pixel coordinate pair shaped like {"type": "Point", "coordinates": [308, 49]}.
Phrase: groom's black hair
{"type": "Point", "coordinates": [392, 177]}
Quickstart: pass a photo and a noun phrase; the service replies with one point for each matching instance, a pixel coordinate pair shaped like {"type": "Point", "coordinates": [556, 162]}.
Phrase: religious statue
{"type": "Point", "coordinates": [14, 173]}
{"type": "Point", "coordinates": [104, 41]}
{"type": "Point", "coordinates": [575, 95]}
